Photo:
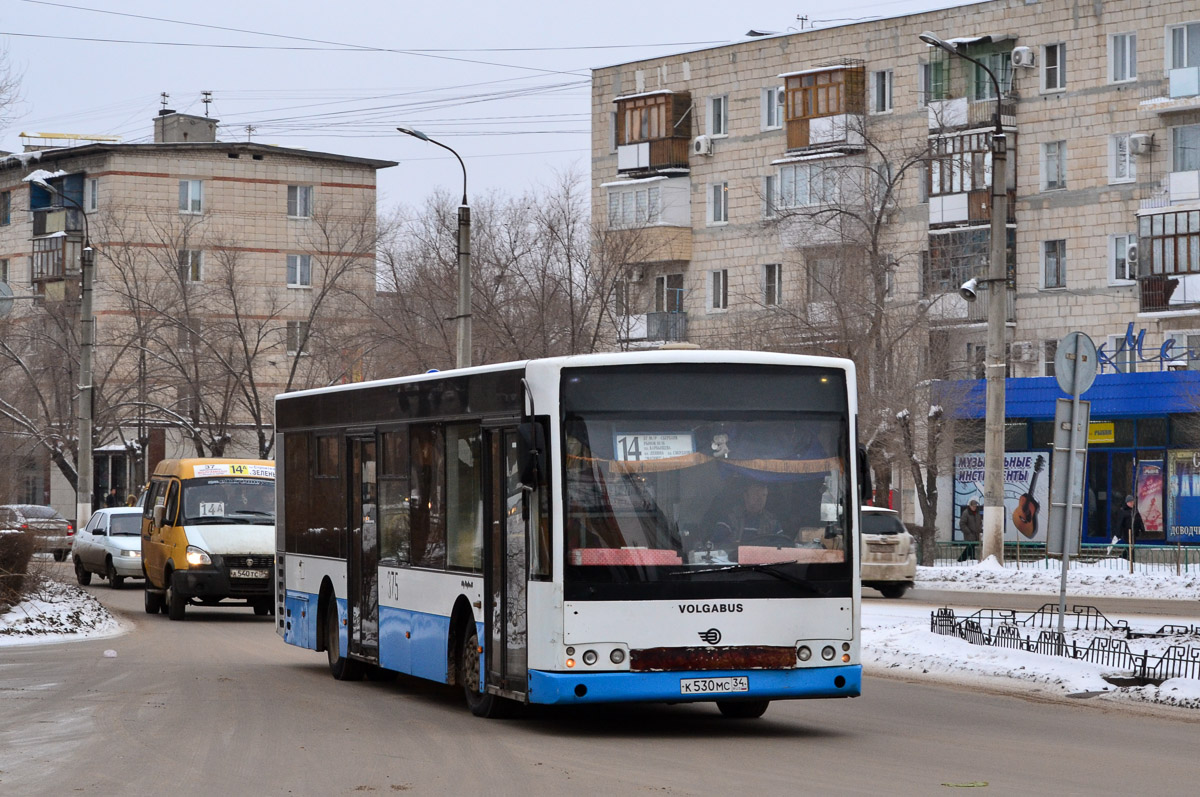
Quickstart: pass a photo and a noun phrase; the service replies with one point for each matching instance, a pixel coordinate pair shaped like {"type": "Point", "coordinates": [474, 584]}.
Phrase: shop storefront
{"type": "Point", "coordinates": [1144, 443]}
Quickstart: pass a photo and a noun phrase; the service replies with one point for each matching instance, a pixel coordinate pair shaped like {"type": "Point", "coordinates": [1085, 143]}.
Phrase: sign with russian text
{"type": "Point", "coordinates": [1102, 432]}
{"type": "Point", "coordinates": [1026, 492]}
{"type": "Point", "coordinates": [1183, 496]}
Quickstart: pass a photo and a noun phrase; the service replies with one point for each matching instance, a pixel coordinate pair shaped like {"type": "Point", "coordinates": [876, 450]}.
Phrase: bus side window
{"type": "Point", "coordinates": [427, 504]}
{"type": "Point", "coordinates": [172, 507]}
{"type": "Point", "coordinates": [540, 563]}
{"type": "Point", "coordinates": [395, 537]}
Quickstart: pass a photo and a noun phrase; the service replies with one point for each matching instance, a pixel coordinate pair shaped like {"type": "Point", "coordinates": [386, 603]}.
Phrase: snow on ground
{"type": "Point", "coordinates": [897, 639]}
{"type": "Point", "coordinates": [56, 612]}
{"type": "Point", "coordinates": [1110, 579]}
{"type": "Point", "coordinates": [896, 636]}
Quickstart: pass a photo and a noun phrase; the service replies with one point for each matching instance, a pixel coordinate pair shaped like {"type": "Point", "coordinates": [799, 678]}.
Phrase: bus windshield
{"type": "Point", "coordinates": [707, 494]}
{"type": "Point", "coordinates": [229, 500]}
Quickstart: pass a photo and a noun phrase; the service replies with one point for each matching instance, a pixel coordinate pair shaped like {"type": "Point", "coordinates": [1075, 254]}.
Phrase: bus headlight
{"type": "Point", "coordinates": [197, 556]}
{"type": "Point", "coordinates": [617, 656]}
{"type": "Point", "coordinates": [589, 657]}
{"type": "Point", "coordinates": [827, 652]}
{"type": "Point", "coordinates": [804, 653]}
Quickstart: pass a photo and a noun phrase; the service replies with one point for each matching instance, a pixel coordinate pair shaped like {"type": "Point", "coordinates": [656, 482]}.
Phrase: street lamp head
{"type": "Point", "coordinates": [934, 40]}
{"type": "Point", "coordinates": [408, 131]}
{"type": "Point", "coordinates": [42, 178]}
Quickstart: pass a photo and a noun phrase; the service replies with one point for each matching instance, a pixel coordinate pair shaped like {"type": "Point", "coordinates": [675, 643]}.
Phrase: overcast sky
{"type": "Point", "coordinates": [506, 84]}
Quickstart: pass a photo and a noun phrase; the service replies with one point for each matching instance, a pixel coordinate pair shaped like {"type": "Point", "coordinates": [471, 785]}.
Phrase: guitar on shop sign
{"type": "Point", "coordinates": [1025, 516]}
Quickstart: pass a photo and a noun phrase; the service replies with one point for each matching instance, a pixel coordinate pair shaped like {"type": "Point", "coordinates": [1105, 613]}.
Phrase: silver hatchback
{"type": "Point", "coordinates": [889, 552]}
{"type": "Point", "coordinates": [52, 532]}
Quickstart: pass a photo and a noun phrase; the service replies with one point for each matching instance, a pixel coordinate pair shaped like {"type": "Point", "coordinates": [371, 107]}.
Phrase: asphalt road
{"type": "Point", "coordinates": [219, 705]}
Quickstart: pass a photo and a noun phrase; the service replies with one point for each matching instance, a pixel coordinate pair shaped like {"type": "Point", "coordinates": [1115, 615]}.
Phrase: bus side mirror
{"type": "Point", "coordinates": [865, 491]}
{"type": "Point", "coordinates": [159, 512]}
{"type": "Point", "coordinates": [531, 452]}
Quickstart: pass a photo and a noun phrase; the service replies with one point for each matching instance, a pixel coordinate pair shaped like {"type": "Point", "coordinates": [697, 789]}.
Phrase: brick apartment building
{"type": "Point", "coordinates": [726, 161]}
{"type": "Point", "coordinates": [219, 267]}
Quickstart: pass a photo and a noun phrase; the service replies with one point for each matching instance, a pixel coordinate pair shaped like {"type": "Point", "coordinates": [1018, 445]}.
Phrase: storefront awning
{"type": "Point", "coordinates": [1149, 394]}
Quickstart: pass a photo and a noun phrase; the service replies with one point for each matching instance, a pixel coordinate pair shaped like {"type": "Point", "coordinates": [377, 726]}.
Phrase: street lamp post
{"type": "Point", "coordinates": [464, 257]}
{"type": "Point", "coordinates": [997, 279]}
{"type": "Point", "coordinates": [83, 465]}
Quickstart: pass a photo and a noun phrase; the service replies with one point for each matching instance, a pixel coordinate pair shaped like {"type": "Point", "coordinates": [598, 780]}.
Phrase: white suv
{"type": "Point", "coordinates": [889, 552]}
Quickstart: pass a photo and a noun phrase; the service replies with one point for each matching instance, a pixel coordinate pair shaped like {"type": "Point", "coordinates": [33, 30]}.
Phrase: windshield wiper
{"type": "Point", "coordinates": [253, 512]}
{"type": "Point", "coordinates": [768, 568]}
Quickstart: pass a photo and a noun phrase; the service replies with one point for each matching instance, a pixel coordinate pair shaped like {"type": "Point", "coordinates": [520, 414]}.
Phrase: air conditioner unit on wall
{"type": "Point", "coordinates": [702, 145]}
{"type": "Point", "coordinates": [1141, 143]}
{"type": "Point", "coordinates": [1024, 352]}
{"type": "Point", "coordinates": [1024, 56]}
{"type": "Point", "coordinates": [1131, 253]}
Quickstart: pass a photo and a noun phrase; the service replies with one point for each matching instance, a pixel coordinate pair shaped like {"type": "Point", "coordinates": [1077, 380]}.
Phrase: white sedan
{"type": "Point", "coordinates": [110, 546]}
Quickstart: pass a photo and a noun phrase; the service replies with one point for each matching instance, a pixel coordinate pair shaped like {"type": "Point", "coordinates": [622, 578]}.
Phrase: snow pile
{"type": "Point", "coordinates": [897, 641]}
{"type": "Point", "coordinates": [55, 612]}
{"type": "Point", "coordinates": [1083, 580]}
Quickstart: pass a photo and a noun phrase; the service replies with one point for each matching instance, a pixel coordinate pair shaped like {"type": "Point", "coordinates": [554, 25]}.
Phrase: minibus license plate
{"type": "Point", "coordinates": [716, 686]}
{"type": "Point", "coordinates": [237, 573]}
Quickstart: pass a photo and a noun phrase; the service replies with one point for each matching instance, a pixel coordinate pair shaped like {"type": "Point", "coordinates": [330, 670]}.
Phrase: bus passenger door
{"type": "Point", "coordinates": [362, 577]}
{"type": "Point", "coordinates": [505, 562]}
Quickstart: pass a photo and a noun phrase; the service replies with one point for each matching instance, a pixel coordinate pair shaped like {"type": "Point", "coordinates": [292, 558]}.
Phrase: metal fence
{"type": "Point", "coordinates": [1005, 628]}
{"type": "Point", "coordinates": [1177, 559]}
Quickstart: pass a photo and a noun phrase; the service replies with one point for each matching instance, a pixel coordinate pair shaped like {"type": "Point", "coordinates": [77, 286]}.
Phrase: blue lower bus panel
{"type": "Point", "coordinates": [300, 619]}
{"type": "Point", "coordinates": [613, 687]}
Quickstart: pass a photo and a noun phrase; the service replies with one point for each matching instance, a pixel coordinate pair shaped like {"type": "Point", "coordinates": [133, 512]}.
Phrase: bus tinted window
{"type": "Point", "coordinates": [395, 542]}
{"type": "Point", "coordinates": [464, 494]}
{"type": "Point", "coordinates": [428, 497]}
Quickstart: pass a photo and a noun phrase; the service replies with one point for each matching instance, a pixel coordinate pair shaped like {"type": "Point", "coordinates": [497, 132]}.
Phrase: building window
{"type": "Point", "coordinates": [1185, 145]}
{"type": "Point", "coordinates": [770, 196]}
{"type": "Point", "coordinates": [718, 289]}
{"type": "Point", "coordinates": [299, 201]}
{"type": "Point", "coordinates": [718, 203]}
{"type": "Point", "coordinates": [772, 107]}
{"type": "Point", "coordinates": [91, 199]}
{"type": "Point", "coordinates": [620, 298]}
{"type": "Point", "coordinates": [1124, 358]}
{"type": "Point", "coordinates": [191, 265]}
{"type": "Point", "coordinates": [823, 274]}
{"type": "Point", "coordinates": [881, 91]}
{"type": "Point", "coordinates": [1054, 67]}
{"type": "Point", "coordinates": [1122, 57]}
{"type": "Point", "coordinates": [297, 338]}
{"type": "Point", "coordinates": [1184, 43]}
{"type": "Point", "coordinates": [1000, 63]}
{"type": "Point", "coordinates": [633, 207]}
{"type": "Point", "coordinates": [1054, 165]}
{"type": "Point", "coordinates": [191, 196]}
{"type": "Point", "coordinates": [1054, 264]}
{"type": "Point", "coordinates": [772, 284]}
{"type": "Point", "coordinates": [1049, 351]}
{"type": "Point", "coordinates": [935, 80]}
{"type": "Point", "coordinates": [3, 269]}
{"type": "Point", "coordinates": [718, 115]}
{"type": "Point", "coordinates": [299, 271]}
{"type": "Point", "coordinates": [668, 293]}
{"type": "Point", "coordinates": [1121, 166]}
{"type": "Point", "coordinates": [806, 184]}
{"type": "Point", "coordinates": [1172, 241]}
{"type": "Point", "coordinates": [1185, 351]}
{"type": "Point", "coordinates": [5, 207]}
{"type": "Point", "coordinates": [977, 360]}
{"type": "Point", "coordinates": [1121, 271]}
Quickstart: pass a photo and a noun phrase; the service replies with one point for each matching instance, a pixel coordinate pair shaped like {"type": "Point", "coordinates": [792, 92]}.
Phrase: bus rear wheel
{"type": "Point", "coordinates": [743, 709]}
{"type": "Point", "coordinates": [340, 667]}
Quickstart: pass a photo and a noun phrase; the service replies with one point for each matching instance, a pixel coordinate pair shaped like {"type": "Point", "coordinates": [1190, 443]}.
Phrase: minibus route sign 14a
{"type": "Point", "coordinates": [235, 469]}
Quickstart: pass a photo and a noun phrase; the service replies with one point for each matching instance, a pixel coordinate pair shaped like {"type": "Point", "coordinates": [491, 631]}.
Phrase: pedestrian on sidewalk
{"type": "Point", "coordinates": [1129, 525]}
{"type": "Point", "coordinates": [970, 523]}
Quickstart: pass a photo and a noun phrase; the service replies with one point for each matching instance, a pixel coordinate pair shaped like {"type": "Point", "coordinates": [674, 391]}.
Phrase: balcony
{"type": "Point", "coordinates": [950, 309]}
{"type": "Point", "coordinates": [653, 132]}
{"type": "Point", "coordinates": [965, 113]}
{"type": "Point", "coordinates": [970, 208]}
{"type": "Point", "coordinates": [56, 219]}
{"type": "Point", "coordinates": [825, 108]}
{"type": "Point", "coordinates": [56, 257]}
{"type": "Point", "coordinates": [1163, 293]}
{"type": "Point", "coordinates": [668, 327]}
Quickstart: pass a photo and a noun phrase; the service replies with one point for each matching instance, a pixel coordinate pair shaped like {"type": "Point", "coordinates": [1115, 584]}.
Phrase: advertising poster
{"type": "Point", "coordinates": [1026, 492]}
{"type": "Point", "coordinates": [1149, 494]}
{"type": "Point", "coordinates": [1183, 496]}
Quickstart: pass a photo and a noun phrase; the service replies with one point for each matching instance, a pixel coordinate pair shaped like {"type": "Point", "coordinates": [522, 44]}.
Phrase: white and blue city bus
{"type": "Point", "coordinates": [672, 525]}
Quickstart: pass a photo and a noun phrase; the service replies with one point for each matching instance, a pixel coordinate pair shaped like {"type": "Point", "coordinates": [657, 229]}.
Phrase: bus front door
{"type": "Point", "coordinates": [507, 568]}
{"type": "Point", "coordinates": [362, 578]}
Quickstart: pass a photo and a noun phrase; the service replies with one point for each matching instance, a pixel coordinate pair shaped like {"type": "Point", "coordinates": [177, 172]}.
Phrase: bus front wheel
{"type": "Point", "coordinates": [341, 667]}
{"type": "Point", "coordinates": [481, 704]}
{"type": "Point", "coordinates": [743, 709]}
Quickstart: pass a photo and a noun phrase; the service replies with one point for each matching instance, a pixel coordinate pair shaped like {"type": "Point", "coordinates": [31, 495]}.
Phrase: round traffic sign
{"type": "Point", "coordinates": [1075, 363]}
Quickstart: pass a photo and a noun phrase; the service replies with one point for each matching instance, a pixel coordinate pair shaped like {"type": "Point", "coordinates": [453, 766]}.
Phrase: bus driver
{"type": "Point", "coordinates": [748, 519]}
